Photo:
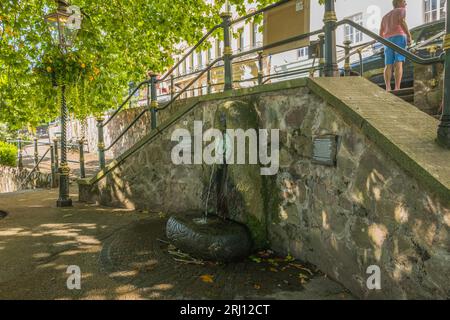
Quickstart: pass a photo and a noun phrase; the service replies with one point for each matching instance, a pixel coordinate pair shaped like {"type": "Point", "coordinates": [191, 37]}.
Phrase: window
{"type": "Point", "coordinates": [199, 60]}
{"type": "Point", "coordinates": [240, 40]}
{"type": "Point", "coordinates": [184, 66]}
{"type": "Point", "coordinates": [303, 53]}
{"type": "Point", "coordinates": [434, 10]}
{"type": "Point", "coordinates": [351, 33]}
{"type": "Point", "coordinates": [219, 49]}
{"type": "Point", "coordinates": [191, 62]}
{"type": "Point", "coordinates": [209, 55]}
{"type": "Point", "coordinates": [255, 30]}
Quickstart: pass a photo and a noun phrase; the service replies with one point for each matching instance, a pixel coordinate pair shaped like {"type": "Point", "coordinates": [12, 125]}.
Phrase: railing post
{"type": "Point", "coordinates": [172, 88]}
{"type": "Point", "coordinates": [321, 54]}
{"type": "Point", "coordinates": [101, 144]}
{"type": "Point", "coordinates": [347, 68]}
{"type": "Point", "coordinates": [53, 167]}
{"type": "Point", "coordinates": [81, 151]}
{"type": "Point", "coordinates": [153, 100]}
{"type": "Point", "coordinates": [208, 81]}
{"type": "Point", "coordinates": [260, 67]}
{"type": "Point", "coordinates": [55, 148]}
{"type": "Point", "coordinates": [329, 19]}
{"type": "Point", "coordinates": [227, 51]}
{"type": "Point", "coordinates": [20, 157]}
{"type": "Point", "coordinates": [64, 169]}
{"type": "Point", "coordinates": [36, 153]}
{"type": "Point", "coordinates": [443, 134]}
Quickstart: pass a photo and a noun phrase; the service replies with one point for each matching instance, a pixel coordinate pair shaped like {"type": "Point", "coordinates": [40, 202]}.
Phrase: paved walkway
{"type": "Point", "coordinates": [122, 254]}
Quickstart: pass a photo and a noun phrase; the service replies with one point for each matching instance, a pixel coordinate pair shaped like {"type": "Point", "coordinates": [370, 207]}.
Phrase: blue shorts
{"type": "Point", "coordinates": [390, 56]}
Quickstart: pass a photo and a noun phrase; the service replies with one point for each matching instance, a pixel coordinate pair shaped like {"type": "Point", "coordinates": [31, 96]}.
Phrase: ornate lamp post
{"type": "Point", "coordinates": [63, 30]}
{"type": "Point", "coordinates": [329, 19]}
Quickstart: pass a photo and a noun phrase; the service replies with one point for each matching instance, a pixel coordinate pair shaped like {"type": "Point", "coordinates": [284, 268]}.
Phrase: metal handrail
{"type": "Point", "coordinates": [206, 36]}
{"type": "Point", "coordinates": [124, 103]}
{"type": "Point", "coordinates": [190, 83]}
{"type": "Point", "coordinates": [420, 45]}
{"type": "Point", "coordinates": [200, 70]}
{"type": "Point", "coordinates": [34, 168]}
{"type": "Point", "coordinates": [387, 43]}
{"type": "Point", "coordinates": [126, 129]}
{"type": "Point", "coordinates": [277, 44]}
{"type": "Point", "coordinates": [291, 73]}
{"type": "Point", "coordinates": [360, 48]}
{"type": "Point", "coordinates": [232, 22]}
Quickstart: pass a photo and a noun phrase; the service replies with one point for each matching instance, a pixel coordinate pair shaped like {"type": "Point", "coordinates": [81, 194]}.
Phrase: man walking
{"type": "Point", "coordinates": [394, 28]}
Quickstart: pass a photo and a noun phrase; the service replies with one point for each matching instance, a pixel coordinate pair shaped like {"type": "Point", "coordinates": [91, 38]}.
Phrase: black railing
{"type": "Point", "coordinates": [326, 55]}
{"type": "Point", "coordinates": [414, 58]}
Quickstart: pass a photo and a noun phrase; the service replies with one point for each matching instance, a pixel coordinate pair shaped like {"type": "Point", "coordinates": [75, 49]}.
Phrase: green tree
{"type": "Point", "coordinates": [119, 41]}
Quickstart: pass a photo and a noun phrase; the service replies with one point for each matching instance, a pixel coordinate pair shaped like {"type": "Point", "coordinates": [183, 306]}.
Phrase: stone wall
{"type": "Point", "coordinates": [11, 179]}
{"type": "Point", "coordinates": [367, 210]}
{"type": "Point", "coordinates": [428, 87]}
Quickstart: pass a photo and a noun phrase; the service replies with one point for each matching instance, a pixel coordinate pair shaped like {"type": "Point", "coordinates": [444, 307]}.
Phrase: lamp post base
{"type": "Point", "coordinates": [443, 137]}
{"type": "Point", "coordinates": [61, 203]}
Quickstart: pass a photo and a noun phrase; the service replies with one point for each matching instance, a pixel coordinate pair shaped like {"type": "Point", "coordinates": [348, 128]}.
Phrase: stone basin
{"type": "Point", "coordinates": [214, 239]}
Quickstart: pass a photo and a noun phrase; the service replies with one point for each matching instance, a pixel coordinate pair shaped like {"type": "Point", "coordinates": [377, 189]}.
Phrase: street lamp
{"type": "Point", "coordinates": [63, 30]}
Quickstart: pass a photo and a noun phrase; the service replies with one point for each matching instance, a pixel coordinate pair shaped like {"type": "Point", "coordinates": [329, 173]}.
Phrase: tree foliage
{"type": "Point", "coordinates": [119, 41]}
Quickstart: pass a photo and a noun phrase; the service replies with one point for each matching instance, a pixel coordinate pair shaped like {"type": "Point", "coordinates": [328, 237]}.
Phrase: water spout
{"type": "Point", "coordinates": [205, 216]}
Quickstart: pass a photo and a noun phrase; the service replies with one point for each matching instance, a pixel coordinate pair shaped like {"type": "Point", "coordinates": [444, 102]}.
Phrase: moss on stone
{"type": "Point", "coordinates": [258, 231]}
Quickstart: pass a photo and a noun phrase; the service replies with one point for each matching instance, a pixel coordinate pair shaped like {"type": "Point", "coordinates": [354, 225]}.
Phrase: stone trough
{"type": "Point", "coordinates": [213, 238]}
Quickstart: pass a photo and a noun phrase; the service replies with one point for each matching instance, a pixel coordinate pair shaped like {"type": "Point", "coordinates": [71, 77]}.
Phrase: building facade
{"type": "Point", "coordinates": [248, 35]}
{"type": "Point", "coordinates": [368, 13]}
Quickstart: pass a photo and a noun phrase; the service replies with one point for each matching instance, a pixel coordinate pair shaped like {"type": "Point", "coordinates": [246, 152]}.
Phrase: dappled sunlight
{"type": "Point", "coordinates": [378, 234]}
{"type": "Point", "coordinates": [426, 233]}
{"type": "Point", "coordinates": [162, 287]}
{"type": "Point", "coordinates": [447, 218]}
{"type": "Point", "coordinates": [402, 267]}
{"type": "Point", "coordinates": [41, 255]}
{"type": "Point", "coordinates": [123, 274]}
{"type": "Point", "coordinates": [325, 223]}
{"type": "Point", "coordinates": [282, 214]}
{"type": "Point", "coordinates": [49, 265]}
{"type": "Point", "coordinates": [14, 232]}
{"type": "Point", "coordinates": [401, 214]}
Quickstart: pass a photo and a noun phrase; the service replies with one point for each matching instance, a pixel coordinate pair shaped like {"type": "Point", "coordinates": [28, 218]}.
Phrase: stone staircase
{"type": "Point", "coordinates": [407, 94]}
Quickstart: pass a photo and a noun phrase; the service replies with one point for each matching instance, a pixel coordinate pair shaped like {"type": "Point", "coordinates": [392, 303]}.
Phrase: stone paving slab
{"type": "Point", "coordinates": [121, 257]}
{"type": "Point", "coordinates": [402, 130]}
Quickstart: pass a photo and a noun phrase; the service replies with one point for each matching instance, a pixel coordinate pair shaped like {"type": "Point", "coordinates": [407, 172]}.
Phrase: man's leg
{"type": "Point", "coordinates": [388, 76]}
{"type": "Point", "coordinates": [398, 74]}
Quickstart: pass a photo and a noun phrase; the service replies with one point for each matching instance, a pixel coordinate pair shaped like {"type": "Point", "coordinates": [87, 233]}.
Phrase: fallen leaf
{"type": "Point", "coordinates": [255, 259]}
{"type": "Point", "coordinates": [289, 258]}
{"type": "Point", "coordinates": [273, 269]}
{"type": "Point", "coordinates": [264, 254]}
{"type": "Point", "coordinates": [207, 278]}
{"type": "Point", "coordinates": [272, 262]}
{"type": "Point", "coordinates": [257, 286]}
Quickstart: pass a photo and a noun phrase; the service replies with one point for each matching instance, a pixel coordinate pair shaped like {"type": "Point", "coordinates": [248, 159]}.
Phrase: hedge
{"type": "Point", "coordinates": [8, 154]}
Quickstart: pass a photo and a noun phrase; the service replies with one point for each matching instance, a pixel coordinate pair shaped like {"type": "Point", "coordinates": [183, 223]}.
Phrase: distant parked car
{"type": "Point", "coordinates": [373, 66]}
